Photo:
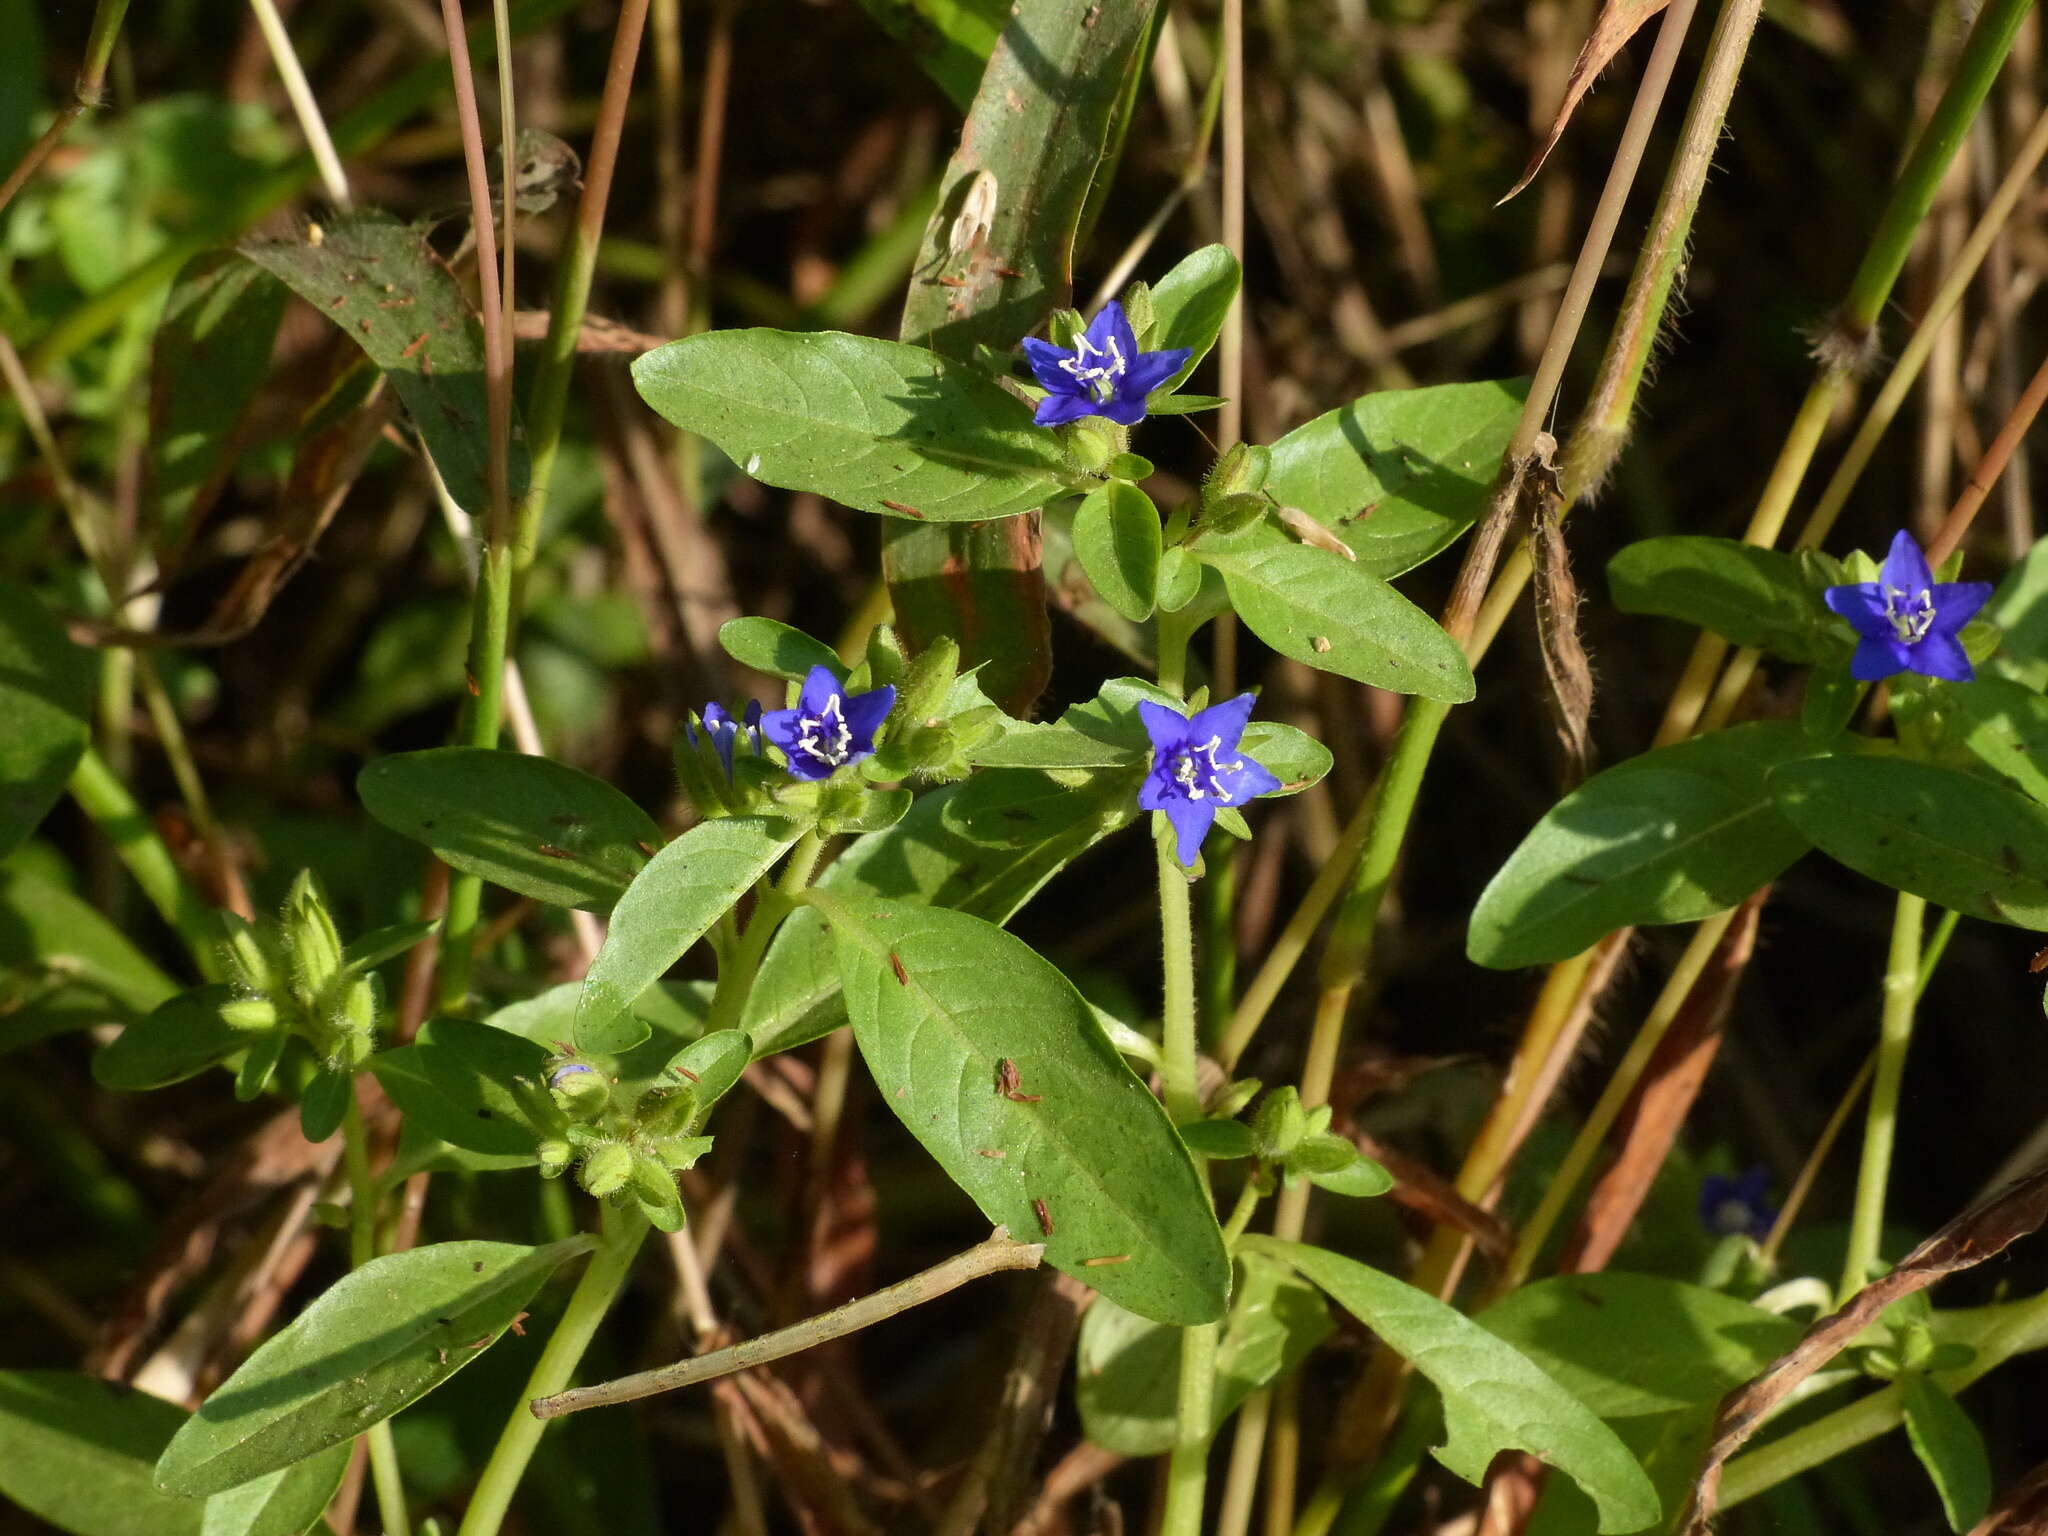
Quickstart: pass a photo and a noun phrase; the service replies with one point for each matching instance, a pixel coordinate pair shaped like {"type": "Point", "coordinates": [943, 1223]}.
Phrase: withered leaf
{"type": "Point", "coordinates": [1619, 20]}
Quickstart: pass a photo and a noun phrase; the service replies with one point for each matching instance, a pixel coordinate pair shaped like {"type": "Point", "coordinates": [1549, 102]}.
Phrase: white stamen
{"type": "Point", "coordinates": [1198, 773]}
{"type": "Point", "coordinates": [1911, 623]}
{"type": "Point", "coordinates": [1099, 377]}
{"type": "Point", "coordinates": [830, 719]}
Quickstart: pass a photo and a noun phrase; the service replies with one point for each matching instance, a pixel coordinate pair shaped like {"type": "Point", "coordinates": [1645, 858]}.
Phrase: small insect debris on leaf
{"type": "Point", "coordinates": [1107, 1258]}
{"type": "Point", "coordinates": [896, 965]}
{"type": "Point", "coordinates": [1038, 1209]}
{"type": "Point", "coordinates": [996, 1152]}
{"type": "Point", "coordinates": [1009, 1084]}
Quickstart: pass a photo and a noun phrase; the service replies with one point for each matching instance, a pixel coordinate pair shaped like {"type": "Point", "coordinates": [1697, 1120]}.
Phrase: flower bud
{"type": "Point", "coordinates": [886, 660]}
{"type": "Point", "coordinates": [606, 1171]}
{"type": "Point", "coordinates": [250, 1013]}
{"type": "Point", "coordinates": [652, 1182]}
{"type": "Point", "coordinates": [1280, 1124]}
{"type": "Point", "coordinates": [1242, 469]}
{"type": "Point", "coordinates": [580, 1090]}
{"type": "Point", "coordinates": [555, 1155]}
{"type": "Point", "coordinates": [1227, 514]}
{"type": "Point", "coordinates": [1064, 327]}
{"type": "Point", "coordinates": [926, 683]}
{"type": "Point", "coordinates": [1092, 442]}
{"type": "Point", "coordinates": [247, 955]}
{"type": "Point", "coordinates": [310, 938]}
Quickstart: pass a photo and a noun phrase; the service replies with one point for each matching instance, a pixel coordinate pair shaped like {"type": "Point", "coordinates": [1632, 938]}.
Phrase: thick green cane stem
{"type": "Point", "coordinates": [1177, 1067]}
{"type": "Point", "coordinates": [592, 1298]}
{"type": "Point", "coordinates": [1881, 1120]}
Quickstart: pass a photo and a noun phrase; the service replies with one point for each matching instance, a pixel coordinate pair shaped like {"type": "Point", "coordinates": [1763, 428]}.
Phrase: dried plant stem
{"type": "Point", "coordinates": [319, 143]}
{"type": "Point", "coordinates": [1997, 455]}
{"type": "Point", "coordinates": [86, 89]}
{"type": "Point", "coordinates": [996, 1254]}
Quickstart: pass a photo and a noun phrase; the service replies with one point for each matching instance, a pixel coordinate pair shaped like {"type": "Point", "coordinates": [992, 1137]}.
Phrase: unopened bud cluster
{"type": "Point", "coordinates": [624, 1147]}
{"type": "Point", "coordinates": [292, 978]}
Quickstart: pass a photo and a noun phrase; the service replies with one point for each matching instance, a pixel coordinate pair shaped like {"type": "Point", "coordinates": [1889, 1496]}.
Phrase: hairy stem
{"type": "Point", "coordinates": [1880, 1125]}
{"type": "Point", "coordinates": [609, 1265]}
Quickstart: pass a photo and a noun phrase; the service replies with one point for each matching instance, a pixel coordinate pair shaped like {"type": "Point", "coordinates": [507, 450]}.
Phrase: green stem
{"type": "Point", "coordinates": [105, 799]}
{"type": "Point", "coordinates": [742, 961]}
{"type": "Point", "coordinates": [1187, 1470]}
{"type": "Point", "coordinates": [1880, 1126]}
{"type": "Point", "coordinates": [592, 1298]}
{"type": "Point", "coordinates": [1177, 1067]}
{"type": "Point", "coordinates": [489, 638]}
{"type": "Point", "coordinates": [362, 1247]}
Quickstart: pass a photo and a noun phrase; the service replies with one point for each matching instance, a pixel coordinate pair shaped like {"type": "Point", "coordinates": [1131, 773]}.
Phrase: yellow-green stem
{"type": "Point", "coordinates": [362, 1247]}
{"type": "Point", "coordinates": [1880, 1126]}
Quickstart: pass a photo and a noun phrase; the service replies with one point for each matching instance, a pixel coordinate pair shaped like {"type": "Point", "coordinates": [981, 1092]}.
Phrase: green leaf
{"type": "Point", "coordinates": [1398, 475]}
{"type": "Point", "coordinates": [1360, 1179]}
{"type": "Point", "coordinates": [862, 421]}
{"type": "Point", "coordinates": [1960, 841]}
{"type": "Point", "coordinates": [1219, 1139]}
{"type": "Point", "coordinates": [686, 888]}
{"type": "Point", "coordinates": [2005, 725]}
{"type": "Point", "coordinates": [1127, 1368]}
{"type": "Point", "coordinates": [1189, 305]}
{"type": "Point", "coordinates": [474, 1065]}
{"type": "Point", "coordinates": [287, 1502]}
{"type": "Point", "coordinates": [710, 1067]}
{"type": "Point", "coordinates": [1293, 756]}
{"type": "Point", "coordinates": [1673, 836]}
{"type": "Point", "coordinates": [1333, 614]}
{"type": "Point", "coordinates": [939, 1002]}
{"type": "Point", "coordinates": [46, 687]}
{"type": "Point", "coordinates": [380, 282]}
{"type": "Point", "coordinates": [780, 650]}
{"type": "Point", "coordinates": [1024, 744]}
{"type": "Point", "coordinates": [1951, 1450]}
{"type": "Point", "coordinates": [983, 847]}
{"type": "Point", "coordinates": [1494, 1399]}
{"type": "Point", "coordinates": [1745, 594]}
{"type": "Point", "coordinates": [77, 1451]}
{"type": "Point", "coordinates": [387, 943]}
{"type": "Point", "coordinates": [951, 39]}
{"type": "Point", "coordinates": [527, 823]}
{"type": "Point", "coordinates": [323, 1104]}
{"type": "Point", "coordinates": [380, 1338]}
{"type": "Point", "coordinates": [212, 352]}
{"type": "Point", "coordinates": [1117, 539]}
{"type": "Point", "coordinates": [83, 970]}
{"type": "Point", "coordinates": [182, 1038]}
{"type": "Point", "coordinates": [673, 1013]}
{"type": "Point", "coordinates": [1628, 1345]}
{"type": "Point", "coordinates": [2020, 608]}
{"type": "Point", "coordinates": [431, 1114]}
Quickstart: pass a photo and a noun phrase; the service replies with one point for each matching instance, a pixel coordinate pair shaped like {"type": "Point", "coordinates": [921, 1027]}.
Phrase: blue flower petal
{"type": "Point", "coordinates": [1159, 790]}
{"type": "Point", "coordinates": [1152, 369]}
{"type": "Point", "coordinates": [1249, 780]}
{"type": "Point", "coordinates": [1191, 821]}
{"type": "Point", "coordinates": [821, 686]}
{"type": "Point", "coordinates": [1058, 410]}
{"type": "Point", "coordinates": [1045, 360]}
{"type": "Point", "coordinates": [1956, 603]}
{"type": "Point", "coordinates": [1942, 656]}
{"type": "Point", "coordinates": [1878, 657]}
{"type": "Point", "coordinates": [1225, 721]}
{"type": "Point", "coordinates": [865, 713]}
{"type": "Point", "coordinates": [1905, 568]}
{"type": "Point", "coordinates": [1124, 410]}
{"type": "Point", "coordinates": [1863, 606]}
{"type": "Point", "coordinates": [1167, 726]}
{"type": "Point", "coordinates": [1110, 325]}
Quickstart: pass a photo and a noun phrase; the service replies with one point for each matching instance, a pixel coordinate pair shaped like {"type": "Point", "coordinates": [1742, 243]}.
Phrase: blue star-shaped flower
{"type": "Point", "coordinates": [828, 729]}
{"type": "Point", "coordinates": [1197, 769]}
{"type": "Point", "coordinates": [725, 732]}
{"type": "Point", "coordinates": [1908, 621]}
{"type": "Point", "coordinates": [1104, 375]}
{"type": "Point", "coordinates": [1736, 1207]}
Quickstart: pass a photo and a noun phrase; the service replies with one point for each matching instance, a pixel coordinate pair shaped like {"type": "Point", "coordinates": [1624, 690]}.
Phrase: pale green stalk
{"type": "Point", "coordinates": [106, 801]}
{"type": "Point", "coordinates": [1881, 1120]}
{"type": "Point", "coordinates": [362, 1247]}
{"type": "Point", "coordinates": [623, 1232]}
